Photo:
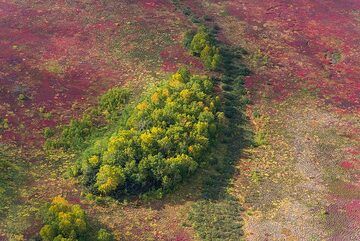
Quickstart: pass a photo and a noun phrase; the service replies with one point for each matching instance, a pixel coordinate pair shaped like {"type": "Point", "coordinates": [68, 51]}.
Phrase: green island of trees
{"type": "Point", "coordinates": [159, 141]}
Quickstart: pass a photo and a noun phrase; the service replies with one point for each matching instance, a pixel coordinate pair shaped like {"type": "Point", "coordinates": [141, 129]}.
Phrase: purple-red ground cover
{"type": "Point", "coordinates": [56, 57]}
{"type": "Point", "coordinates": [311, 48]}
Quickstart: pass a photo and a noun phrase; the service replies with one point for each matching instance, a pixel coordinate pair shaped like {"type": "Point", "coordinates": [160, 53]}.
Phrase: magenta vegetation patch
{"type": "Point", "coordinates": [296, 175]}
{"type": "Point", "coordinates": [313, 44]}
{"type": "Point", "coordinates": [55, 54]}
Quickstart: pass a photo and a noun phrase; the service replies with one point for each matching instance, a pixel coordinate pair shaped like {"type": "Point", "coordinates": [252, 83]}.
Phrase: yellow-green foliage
{"type": "Point", "coordinates": [64, 221]}
{"type": "Point", "coordinates": [203, 45]}
{"type": "Point", "coordinates": [114, 100]}
{"type": "Point", "coordinates": [162, 141]}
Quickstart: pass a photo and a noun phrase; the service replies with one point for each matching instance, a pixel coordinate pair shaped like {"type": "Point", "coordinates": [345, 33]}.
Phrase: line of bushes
{"type": "Point", "coordinates": [219, 215]}
{"type": "Point", "coordinates": [202, 44]}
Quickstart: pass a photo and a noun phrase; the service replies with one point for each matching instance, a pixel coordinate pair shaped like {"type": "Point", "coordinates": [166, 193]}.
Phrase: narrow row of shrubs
{"type": "Point", "coordinates": [201, 43]}
{"type": "Point", "coordinates": [219, 216]}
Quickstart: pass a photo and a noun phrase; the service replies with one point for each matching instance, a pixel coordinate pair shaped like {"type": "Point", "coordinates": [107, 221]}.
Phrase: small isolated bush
{"type": "Point", "coordinates": [104, 235]}
{"type": "Point", "coordinates": [4, 124]}
{"type": "Point", "coordinates": [66, 222]}
{"type": "Point", "coordinates": [260, 138]}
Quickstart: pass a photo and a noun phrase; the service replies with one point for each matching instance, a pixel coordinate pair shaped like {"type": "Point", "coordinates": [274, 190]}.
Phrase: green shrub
{"type": "Point", "coordinates": [104, 235]}
{"type": "Point", "coordinates": [77, 134]}
{"type": "Point", "coordinates": [260, 138]}
{"type": "Point", "coordinates": [64, 221]}
{"type": "Point", "coordinates": [203, 45]}
{"type": "Point", "coordinates": [188, 37]}
{"type": "Point", "coordinates": [4, 123]}
{"type": "Point", "coordinates": [114, 100]}
{"type": "Point", "coordinates": [227, 87]}
{"type": "Point", "coordinates": [48, 132]}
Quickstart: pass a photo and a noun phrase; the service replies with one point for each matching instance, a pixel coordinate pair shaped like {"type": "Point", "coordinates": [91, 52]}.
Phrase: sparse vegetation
{"type": "Point", "coordinates": [217, 221]}
{"type": "Point", "coordinates": [77, 134]}
{"type": "Point", "coordinates": [10, 177]}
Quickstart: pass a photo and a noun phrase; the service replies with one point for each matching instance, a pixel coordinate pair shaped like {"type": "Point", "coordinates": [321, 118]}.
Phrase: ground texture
{"type": "Point", "coordinates": [301, 183]}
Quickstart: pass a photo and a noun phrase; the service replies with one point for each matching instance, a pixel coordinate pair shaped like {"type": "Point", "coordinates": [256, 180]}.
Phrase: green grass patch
{"type": "Point", "coordinates": [10, 178]}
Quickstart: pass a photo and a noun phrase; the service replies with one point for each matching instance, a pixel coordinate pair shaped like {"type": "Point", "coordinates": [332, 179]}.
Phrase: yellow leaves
{"type": "Point", "coordinates": [155, 98]}
{"type": "Point", "coordinates": [166, 92]}
{"type": "Point", "coordinates": [94, 160]}
{"type": "Point", "coordinates": [109, 178]}
{"type": "Point", "coordinates": [146, 138]}
{"type": "Point", "coordinates": [112, 145]}
{"type": "Point", "coordinates": [142, 106]}
{"type": "Point", "coordinates": [177, 80]}
{"type": "Point", "coordinates": [63, 220]}
{"type": "Point", "coordinates": [186, 94]}
{"type": "Point", "coordinates": [59, 200]}
{"type": "Point", "coordinates": [177, 77]}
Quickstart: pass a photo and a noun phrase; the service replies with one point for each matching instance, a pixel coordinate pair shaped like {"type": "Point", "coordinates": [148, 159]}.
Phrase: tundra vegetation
{"type": "Point", "coordinates": [157, 142]}
{"type": "Point", "coordinates": [67, 222]}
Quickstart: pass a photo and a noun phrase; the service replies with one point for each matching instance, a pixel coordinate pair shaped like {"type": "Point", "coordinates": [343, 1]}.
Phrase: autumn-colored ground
{"type": "Point", "coordinates": [302, 183]}
{"type": "Point", "coordinates": [56, 57]}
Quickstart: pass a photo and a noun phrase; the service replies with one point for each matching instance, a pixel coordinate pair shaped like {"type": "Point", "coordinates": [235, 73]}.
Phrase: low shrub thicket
{"type": "Point", "coordinates": [162, 139]}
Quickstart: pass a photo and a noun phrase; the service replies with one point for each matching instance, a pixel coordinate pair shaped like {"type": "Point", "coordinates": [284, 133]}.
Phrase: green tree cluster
{"type": "Point", "coordinates": [67, 222]}
{"type": "Point", "coordinates": [203, 45]}
{"type": "Point", "coordinates": [162, 140]}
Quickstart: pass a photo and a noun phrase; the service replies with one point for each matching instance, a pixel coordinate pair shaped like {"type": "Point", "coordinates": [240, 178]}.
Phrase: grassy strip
{"type": "Point", "coordinates": [10, 177]}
